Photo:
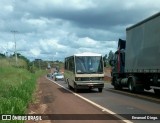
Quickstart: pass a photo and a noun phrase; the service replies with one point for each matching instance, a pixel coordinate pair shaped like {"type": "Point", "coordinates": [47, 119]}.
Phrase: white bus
{"type": "Point", "coordinates": [84, 71]}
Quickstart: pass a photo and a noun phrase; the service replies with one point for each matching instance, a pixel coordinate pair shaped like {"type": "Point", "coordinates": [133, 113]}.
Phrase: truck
{"type": "Point", "coordinates": [136, 63]}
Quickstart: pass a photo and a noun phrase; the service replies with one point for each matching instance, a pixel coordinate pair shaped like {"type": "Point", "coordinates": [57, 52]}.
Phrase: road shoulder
{"type": "Point", "coordinates": [52, 99]}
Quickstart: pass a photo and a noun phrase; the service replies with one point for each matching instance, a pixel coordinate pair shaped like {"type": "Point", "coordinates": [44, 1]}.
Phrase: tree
{"type": "Point", "coordinates": [110, 55]}
{"type": "Point", "coordinates": [2, 55]}
{"type": "Point", "coordinates": [105, 59]}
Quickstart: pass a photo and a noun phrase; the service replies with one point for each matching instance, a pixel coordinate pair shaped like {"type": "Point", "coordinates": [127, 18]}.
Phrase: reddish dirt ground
{"type": "Point", "coordinates": [52, 99]}
{"type": "Point", "coordinates": [107, 76]}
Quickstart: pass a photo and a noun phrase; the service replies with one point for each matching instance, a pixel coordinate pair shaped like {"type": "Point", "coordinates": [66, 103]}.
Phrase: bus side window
{"type": "Point", "coordinates": [71, 64]}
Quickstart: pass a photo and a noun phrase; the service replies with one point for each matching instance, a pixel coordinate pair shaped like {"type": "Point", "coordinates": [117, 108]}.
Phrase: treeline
{"type": "Point", "coordinates": [107, 58]}
{"type": "Point", "coordinates": [23, 62]}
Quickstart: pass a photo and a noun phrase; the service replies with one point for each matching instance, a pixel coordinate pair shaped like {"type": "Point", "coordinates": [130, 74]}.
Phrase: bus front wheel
{"type": "Point", "coordinates": [67, 81]}
{"type": "Point", "coordinates": [75, 88]}
{"type": "Point", "coordinates": [69, 86]}
{"type": "Point", "coordinates": [100, 89]}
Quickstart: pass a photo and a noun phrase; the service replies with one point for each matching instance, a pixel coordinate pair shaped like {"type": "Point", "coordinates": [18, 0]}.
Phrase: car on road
{"type": "Point", "coordinates": [49, 75]}
{"type": "Point", "coordinates": [59, 76]}
{"type": "Point", "coordinates": [54, 74]}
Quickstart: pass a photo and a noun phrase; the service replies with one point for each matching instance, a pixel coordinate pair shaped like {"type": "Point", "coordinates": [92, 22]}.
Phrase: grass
{"type": "Point", "coordinates": [11, 62]}
{"type": "Point", "coordinates": [17, 86]}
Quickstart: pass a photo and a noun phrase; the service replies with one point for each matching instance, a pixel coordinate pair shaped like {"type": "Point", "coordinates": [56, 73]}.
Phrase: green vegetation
{"type": "Point", "coordinates": [17, 85]}
{"type": "Point", "coordinates": [107, 59]}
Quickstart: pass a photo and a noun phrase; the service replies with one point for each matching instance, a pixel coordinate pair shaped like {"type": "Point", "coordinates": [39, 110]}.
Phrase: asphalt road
{"type": "Point", "coordinates": [123, 103]}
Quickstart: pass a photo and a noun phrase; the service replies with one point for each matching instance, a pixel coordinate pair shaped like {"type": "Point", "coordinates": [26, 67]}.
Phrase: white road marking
{"type": "Point", "coordinates": [93, 103]}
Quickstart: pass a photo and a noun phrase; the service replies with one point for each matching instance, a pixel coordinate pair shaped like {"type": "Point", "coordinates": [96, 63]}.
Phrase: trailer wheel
{"type": "Point", "coordinates": [131, 85]}
{"type": "Point", "coordinates": [157, 91]}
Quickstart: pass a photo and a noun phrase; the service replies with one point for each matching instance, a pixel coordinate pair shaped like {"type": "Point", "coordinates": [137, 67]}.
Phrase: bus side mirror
{"type": "Point", "coordinates": [112, 62]}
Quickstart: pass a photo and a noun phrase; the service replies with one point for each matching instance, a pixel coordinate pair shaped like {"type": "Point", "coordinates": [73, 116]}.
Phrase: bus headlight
{"type": "Point", "coordinates": [78, 79]}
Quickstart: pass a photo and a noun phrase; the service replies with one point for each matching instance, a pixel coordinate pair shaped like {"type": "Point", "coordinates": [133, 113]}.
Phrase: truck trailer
{"type": "Point", "coordinates": [136, 63]}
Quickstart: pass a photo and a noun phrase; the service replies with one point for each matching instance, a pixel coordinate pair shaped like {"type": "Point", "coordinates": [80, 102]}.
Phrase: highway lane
{"type": "Point", "coordinates": [122, 103]}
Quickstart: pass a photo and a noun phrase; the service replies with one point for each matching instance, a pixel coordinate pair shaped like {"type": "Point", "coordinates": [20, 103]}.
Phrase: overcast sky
{"type": "Point", "coordinates": [54, 29]}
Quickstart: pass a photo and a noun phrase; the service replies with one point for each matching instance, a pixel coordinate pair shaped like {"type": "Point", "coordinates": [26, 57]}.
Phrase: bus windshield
{"type": "Point", "coordinates": [88, 64]}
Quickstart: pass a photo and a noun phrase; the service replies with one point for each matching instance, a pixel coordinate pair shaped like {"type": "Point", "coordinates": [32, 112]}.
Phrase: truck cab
{"type": "Point", "coordinates": [118, 61]}
{"type": "Point", "coordinates": [118, 64]}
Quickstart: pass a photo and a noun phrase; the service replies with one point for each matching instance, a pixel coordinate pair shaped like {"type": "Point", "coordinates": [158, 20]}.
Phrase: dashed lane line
{"type": "Point", "coordinates": [93, 103]}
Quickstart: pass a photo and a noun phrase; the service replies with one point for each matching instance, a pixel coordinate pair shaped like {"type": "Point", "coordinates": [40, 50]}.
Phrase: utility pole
{"type": "Point", "coordinates": [39, 63]}
{"type": "Point", "coordinates": [14, 32]}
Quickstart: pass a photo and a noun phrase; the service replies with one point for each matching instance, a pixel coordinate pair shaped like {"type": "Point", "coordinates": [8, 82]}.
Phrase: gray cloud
{"type": "Point", "coordinates": [54, 29]}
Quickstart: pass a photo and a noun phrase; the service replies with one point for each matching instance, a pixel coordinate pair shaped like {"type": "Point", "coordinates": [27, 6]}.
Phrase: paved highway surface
{"type": "Point", "coordinates": [123, 102]}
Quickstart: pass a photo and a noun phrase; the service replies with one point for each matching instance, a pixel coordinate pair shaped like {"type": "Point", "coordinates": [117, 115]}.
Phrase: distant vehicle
{"type": "Point", "coordinates": [136, 63]}
{"type": "Point", "coordinates": [49, 66]}
{"type": "Point", "coordinates": [57, 68]}
{"type": "Point", "coordinates": [54, 74]}
{"type": "Point", "coordinates": [59, 76]}
{"type": "Point", "coordinates": [48, 75]}
{"type": "Point", "coordinates": [84, 71]}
